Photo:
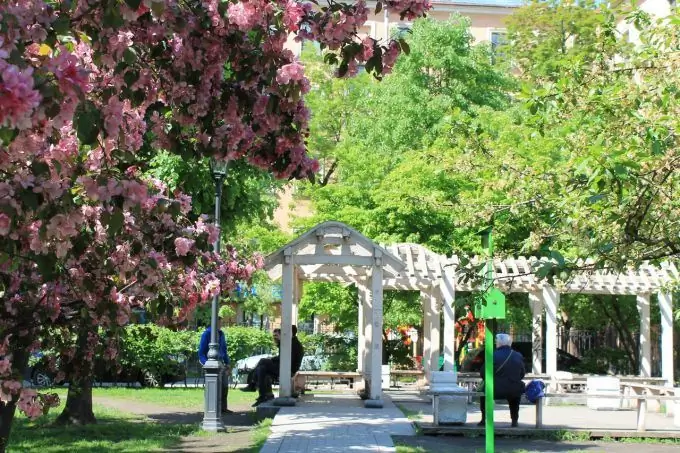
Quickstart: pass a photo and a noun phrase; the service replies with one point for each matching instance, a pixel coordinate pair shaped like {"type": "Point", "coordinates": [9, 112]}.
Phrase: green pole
{"type": "Point", "coordinates": [487, 241]}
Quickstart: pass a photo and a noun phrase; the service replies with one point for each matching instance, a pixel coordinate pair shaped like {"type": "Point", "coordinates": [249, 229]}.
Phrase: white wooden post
{"type": "Point", "coordinates": [427, 333]}
{"type": "Point", "coordinates": [645, 336]}
{"type": "Point", "coordinates": [296, 300]}
{"type": "Point", "coordinates": [367, 305]}
{"type": "Point", "coordinates": [375, 395]}
{"type": "Point", "coordinates": [666, 309]}
{"type": "Point", "coordinates": [288, 290]}
{"type": "Point", "coordinates": [432, 320]}
{"type": "Point", "coordinates": [362, 294]}
{"type": "Point", "coordinates": [536, 303]}
{"type": "Point", "coordinates": [447, 288]}
{"type": "Point", "coordinates": [551, 300]}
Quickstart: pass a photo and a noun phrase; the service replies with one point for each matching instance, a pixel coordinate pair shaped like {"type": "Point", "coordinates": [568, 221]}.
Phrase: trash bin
{"type": "Point", "coordinates": [451, 409]}
{"type": "Point", "coordinates": [604, 385]}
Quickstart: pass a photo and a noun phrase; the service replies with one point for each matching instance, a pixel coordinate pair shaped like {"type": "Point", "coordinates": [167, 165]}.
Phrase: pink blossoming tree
{"type": "Point", "coordinates": [89, 90]}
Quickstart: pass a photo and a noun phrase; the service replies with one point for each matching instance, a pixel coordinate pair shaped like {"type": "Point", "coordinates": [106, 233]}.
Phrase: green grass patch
{"type": "Point", "coordinates": [410, 413]}
{"type": "Point", "coordinates": [115, 432]}
{"type": "Point", "coordinates": [406, 449]}
{"type": "Point", "coordinates": [185, 398]}
{"type": "Point", "coordinates": [260, 434]}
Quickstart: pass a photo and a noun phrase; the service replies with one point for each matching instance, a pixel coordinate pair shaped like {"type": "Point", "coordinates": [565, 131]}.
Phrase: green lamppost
{"type": "Point", "coordinates": [489, 305]}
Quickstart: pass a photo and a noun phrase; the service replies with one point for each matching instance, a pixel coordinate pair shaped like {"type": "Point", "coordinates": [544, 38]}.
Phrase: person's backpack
{"type": "Point", "coordinates": [535, 390]}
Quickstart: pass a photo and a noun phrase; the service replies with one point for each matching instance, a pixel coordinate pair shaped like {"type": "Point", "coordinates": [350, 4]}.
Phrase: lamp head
{"type": "Point", "coordinates": [218, 167]}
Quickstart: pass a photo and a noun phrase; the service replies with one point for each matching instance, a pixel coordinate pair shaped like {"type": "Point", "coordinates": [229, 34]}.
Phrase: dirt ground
{"type": "Point", "coordinates": [236, 438]}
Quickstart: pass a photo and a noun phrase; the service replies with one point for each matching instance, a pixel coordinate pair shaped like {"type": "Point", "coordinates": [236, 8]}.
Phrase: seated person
{"type": "Point", "coordinates": [268, 369]}
{"type": "Point", "coordinates": [251, 380]}
{"type": "Point", "coordinates": [508, 369]}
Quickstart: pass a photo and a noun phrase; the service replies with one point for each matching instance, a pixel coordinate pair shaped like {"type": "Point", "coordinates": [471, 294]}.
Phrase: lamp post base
{"type": "Point", "coordinates": [212, 417]}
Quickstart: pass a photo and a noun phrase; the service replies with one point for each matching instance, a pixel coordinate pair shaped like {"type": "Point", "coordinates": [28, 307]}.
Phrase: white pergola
{"type": "Point", "coordinates": [334, 252]}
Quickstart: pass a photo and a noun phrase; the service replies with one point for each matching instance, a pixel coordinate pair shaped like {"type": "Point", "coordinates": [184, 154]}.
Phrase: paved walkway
{"type": "Point", "coordinates": [336, 423]}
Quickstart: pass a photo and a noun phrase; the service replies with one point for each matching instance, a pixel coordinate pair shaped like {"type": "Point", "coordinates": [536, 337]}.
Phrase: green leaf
{"type": "Point", "coordinates": [404, 46]}
{"type": "Point", "coordinates": [130, 55]}
{"type": "Point", "coordinates": [158, 8]}
{"type": "Point", "coordinates": [39, 168]}
{"type": "Point", "coordinates": [88, 122]}
{"type": "Point", "coordinates": [113, 18]}
{"type": "Point", "coordinates": [557, 256]}
{"type": "Point", "coordinates": [133, 4]}
{"type": "Point", "coordinates": [7, 135]}
{"type": "Point", "coordinates": [116, 221]}
{"type": "Point", "coordinates": [62, 26]}
{"type": "Point", "coordinates": [131, 77]}
{"type": "Point", "coordinates": [29, 199]}
{"type": "Point", "coordinates": [46, 265]}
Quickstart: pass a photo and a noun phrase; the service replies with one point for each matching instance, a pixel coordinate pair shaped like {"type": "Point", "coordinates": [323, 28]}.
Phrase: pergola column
{"type": "Point", "coordinates": [666, 309]}
{"type": "Point", "coordinates": [551, 300]}
{"type": "Point", "coordinates": [536, 303]}
{"type": "Point", "coordinates": [296, 300]}
{"type": "Point", "coordinates": [431, 321]}
{"type": "Point", "coordinates": [363, 307]}
{"type": "Point", "coordinates": [448, 293]}
{"type": "Point", "coordinates": [287, 297]}
{"type": "Point", "coordinates": [645, 336]}
{"type": "Point", "coordinates": [376, 285]}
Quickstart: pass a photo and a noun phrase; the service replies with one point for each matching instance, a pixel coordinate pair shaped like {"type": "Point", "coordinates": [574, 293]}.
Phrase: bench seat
{"type": "Point", "coordinates": [301, 377]}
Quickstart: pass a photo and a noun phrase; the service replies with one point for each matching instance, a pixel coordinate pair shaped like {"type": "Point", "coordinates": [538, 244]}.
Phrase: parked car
{"type": "Point", "coordinates": [474, 359]}
{"type": "Point", "coordinates": [40, 375]}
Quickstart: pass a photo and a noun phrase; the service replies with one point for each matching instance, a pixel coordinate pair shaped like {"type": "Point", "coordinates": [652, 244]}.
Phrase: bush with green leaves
{"type": "Point", "coordinates": [605, 360]}
{"type": "Point", "coordinates": [155, 350]}
{"type": "Point", "coordinates": [336, 352]}
{"type": "Point", "coordinates": [244, 342]}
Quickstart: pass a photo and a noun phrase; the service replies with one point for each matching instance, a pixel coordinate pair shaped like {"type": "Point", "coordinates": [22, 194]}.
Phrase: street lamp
{"type": "Point", "coordinates": [212, 416]}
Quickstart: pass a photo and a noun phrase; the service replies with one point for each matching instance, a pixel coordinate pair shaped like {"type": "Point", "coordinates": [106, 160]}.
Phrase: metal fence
{"type": "Point", "coordinates": [578, 342]}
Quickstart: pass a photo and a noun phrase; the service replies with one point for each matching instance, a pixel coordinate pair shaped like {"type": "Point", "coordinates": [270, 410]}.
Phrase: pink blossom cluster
{"type": "Point", "coordinates": [334, 28]}
{"type": "Point", "coordinates": [409, 9]}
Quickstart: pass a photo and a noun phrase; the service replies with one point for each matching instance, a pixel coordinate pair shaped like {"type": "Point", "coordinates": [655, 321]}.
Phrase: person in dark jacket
{"type": "Point", "coordinates": [268, 369]}
{"type": "Point", "coordinates": [508, 366]}
{"type": "Point", "coordinates": [203, 347]}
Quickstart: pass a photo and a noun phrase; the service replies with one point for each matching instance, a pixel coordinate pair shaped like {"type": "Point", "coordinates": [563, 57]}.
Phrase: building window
{"type": "Point", "coordinates": [308, 45]}
{"type": "Point", "coordinates": [498, 39]}
{"type": "Point", "coordinates": [401, 30]}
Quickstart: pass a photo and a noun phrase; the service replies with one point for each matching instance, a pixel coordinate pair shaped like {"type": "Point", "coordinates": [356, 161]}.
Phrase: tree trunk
{"type": "Point", "coordinates": [7, 410]}
{"type": "Point", "coordinates": [78, 410]}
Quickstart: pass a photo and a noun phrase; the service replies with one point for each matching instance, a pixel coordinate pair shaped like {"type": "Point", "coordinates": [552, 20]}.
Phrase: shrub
{"type": "Point", "coordinates": [154, 350]}
{"type": "Point", "coordinates": [244, 342]}
{"type": "Point", "coordinates": [605, 360]}
{"type": "Point", "coordinates": [335, 352]}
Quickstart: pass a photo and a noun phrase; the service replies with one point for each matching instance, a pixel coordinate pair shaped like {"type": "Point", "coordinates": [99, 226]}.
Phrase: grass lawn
{"type": "Point", "coordinates": [114, 432]}
{"type": "Point", "coordinates": [118, 431]}
{"type": "Point", "coordinates": [179, 397]}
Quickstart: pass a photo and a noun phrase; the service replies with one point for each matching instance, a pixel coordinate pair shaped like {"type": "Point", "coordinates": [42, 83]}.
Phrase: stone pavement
{"type": "Point", "coordinates": [336, 423]}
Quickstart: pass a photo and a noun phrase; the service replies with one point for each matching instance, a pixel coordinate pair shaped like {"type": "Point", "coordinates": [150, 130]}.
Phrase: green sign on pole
{"type": "Point", "coordinates": [490, 305]}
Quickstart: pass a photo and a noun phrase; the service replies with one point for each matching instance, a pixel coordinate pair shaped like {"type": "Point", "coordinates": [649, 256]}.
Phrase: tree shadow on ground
{"type": "Point", "coordinates": [109, 435]}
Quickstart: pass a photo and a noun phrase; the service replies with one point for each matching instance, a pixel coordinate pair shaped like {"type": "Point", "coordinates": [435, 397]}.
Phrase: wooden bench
{"type": "Point", "coordinates": [301, 377]}
{"type": "Point", "coordinates": [418, 374]}
{"type": "Point", "coordinates": [641, 403]}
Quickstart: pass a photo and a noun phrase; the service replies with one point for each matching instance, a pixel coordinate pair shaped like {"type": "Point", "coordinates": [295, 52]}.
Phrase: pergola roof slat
{"type": "Point", "coordinates": [332, 251]}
